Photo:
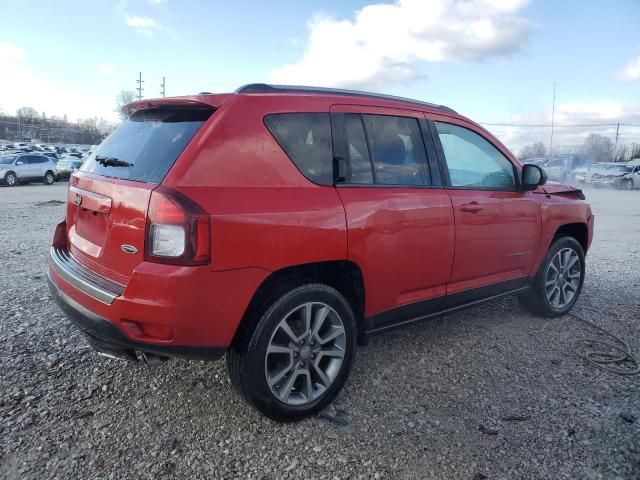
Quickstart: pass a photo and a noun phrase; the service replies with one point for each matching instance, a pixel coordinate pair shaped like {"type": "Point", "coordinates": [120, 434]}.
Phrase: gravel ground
{"type": "Point", "coordinates": [429, 401]}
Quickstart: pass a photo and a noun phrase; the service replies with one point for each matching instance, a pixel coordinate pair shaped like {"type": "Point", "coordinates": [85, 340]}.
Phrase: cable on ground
{"type": "Point", "coordinates": [613, 357]}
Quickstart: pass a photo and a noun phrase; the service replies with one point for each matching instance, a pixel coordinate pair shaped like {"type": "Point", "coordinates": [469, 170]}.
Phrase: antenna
{"type": "Point", "coordinates": [140, 82]}
{"type": "Point", "coordinates": [163, 86]}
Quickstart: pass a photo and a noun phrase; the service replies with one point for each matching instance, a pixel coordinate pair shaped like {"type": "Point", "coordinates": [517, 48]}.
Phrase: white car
{"type": "Point", "coordinates": [621, 175]}
{"type": "Point", "coordinates": [27, 167]}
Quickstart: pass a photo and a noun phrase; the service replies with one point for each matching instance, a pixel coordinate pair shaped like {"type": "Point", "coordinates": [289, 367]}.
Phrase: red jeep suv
{"type": "Point", "coordinates": [283, 226]}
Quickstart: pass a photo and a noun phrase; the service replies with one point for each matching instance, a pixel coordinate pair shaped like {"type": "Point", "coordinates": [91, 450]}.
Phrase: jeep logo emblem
{"type": "Point", "coordinates": [77, 199]}
{"type": "Point", "coordinates": [130, 249]}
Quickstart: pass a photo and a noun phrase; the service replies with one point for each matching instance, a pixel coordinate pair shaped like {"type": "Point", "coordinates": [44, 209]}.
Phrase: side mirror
{"type": "Point", "coordinates": [532, 177]}
{"type": "Point", "coordinates": [19, 162]}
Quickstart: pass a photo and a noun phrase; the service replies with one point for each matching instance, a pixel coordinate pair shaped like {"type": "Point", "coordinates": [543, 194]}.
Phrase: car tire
{"type": "Point", "coordinates": [628, 184]}
{"type": "Point", "coordinates": [49, 178]}
{"type": "Point", "coordinates": [558, 282]}
{"type": "Point", "coordinates": [10, 179]}
{"type": "Point", "coordinates": [297, 356]}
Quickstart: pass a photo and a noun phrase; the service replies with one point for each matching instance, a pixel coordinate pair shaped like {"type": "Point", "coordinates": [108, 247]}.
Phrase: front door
{"type": "Point", "coordinates": [497, 225]}
{"type": "Point", "coordinates": [399, 218]}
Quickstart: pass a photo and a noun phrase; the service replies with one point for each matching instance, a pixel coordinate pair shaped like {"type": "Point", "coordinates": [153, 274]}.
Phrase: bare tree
{"type": "Point", "coordinates": [123, 98]}
{"type": "Point", "coordinates": [533, 150]}
{"type": "Point", "coordinates": [598, 147]}
{"type": "Point", "coordinates": [27, 112]}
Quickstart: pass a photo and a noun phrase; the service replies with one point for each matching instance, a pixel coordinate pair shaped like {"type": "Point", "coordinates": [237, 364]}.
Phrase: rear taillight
{"type": "Point", "coordinates": [178, 230]}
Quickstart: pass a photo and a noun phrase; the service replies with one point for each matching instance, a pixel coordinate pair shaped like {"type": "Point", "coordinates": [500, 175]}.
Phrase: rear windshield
{"type": "Point", "coordinates": [147, 144]}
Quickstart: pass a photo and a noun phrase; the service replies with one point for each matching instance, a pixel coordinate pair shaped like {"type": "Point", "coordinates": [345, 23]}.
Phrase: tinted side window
{"type": "Point", "coordinates": [306, 139]}
{"type": "Point", "coordinates": [397, 150]}
{"type": "Point", "coordinates": [472, 160]}
{"type": "Point", "coordinates": [359, 160]}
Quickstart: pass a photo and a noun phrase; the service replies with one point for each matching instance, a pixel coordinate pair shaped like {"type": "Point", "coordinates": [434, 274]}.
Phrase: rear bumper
{"type": "Point", "coordinates": [166, 310]}
{"type": "Point", "coordinates": [105, 337]}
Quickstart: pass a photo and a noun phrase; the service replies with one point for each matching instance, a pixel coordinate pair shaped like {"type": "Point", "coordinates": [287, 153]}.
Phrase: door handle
{"type": "Point", "coordinates": [472, 207]}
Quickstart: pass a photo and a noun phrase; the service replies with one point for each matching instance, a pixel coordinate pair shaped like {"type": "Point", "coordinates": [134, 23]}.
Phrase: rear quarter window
{"type": "Point", "coordinates": [306, 139]}
{"type": "Point", "coordinates": [150, 141]}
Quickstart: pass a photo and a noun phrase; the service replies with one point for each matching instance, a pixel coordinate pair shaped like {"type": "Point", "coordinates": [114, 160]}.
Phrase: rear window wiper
{"type": "Point", "coordinates": [112, 162]}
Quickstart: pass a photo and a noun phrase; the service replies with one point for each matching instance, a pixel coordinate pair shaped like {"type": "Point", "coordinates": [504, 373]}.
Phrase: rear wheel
{"type": "Point", "coordinates": [299, 354]}
{"type": "Point", "coordinates": [10, 179]}
{"type": "Point", "coordinates": [49, 178]}
{"type": "Point", "coordinates": [559, 280]}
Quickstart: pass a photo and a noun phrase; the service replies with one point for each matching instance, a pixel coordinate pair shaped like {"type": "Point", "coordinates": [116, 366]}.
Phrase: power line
{"type": "Point", "coordinates": [140, 82]}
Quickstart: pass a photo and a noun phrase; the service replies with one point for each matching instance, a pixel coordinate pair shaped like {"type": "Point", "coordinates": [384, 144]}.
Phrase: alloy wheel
{"type": "Point", "coordinates": [11, 180]}
{"type": "Point", "coordinates": [305, 353]}
{"type": "Point", "coordinates": [562, 278]}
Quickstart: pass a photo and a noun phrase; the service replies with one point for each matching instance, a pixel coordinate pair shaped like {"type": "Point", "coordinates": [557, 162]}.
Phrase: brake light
{"type": "Point", "coordinates": [178, 230]}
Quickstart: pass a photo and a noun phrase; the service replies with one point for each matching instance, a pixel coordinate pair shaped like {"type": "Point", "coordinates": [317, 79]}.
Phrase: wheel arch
{"type": "Point", "coordinates": [345, 276]}
{"type": "Point", "coordinates": [578, 231]}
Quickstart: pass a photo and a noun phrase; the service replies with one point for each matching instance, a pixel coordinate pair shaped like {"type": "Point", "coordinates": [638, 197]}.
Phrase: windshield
{"type": "Point", "coordinates": [6, 160]}
{"type": "Point", "coordinates": [147, 144]}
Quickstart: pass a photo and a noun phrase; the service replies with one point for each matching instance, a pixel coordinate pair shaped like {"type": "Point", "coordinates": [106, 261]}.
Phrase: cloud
{"type": "Point", "coordinates": [142, 25]}
{"type": "Point", "coordinates": [631, 71]}
{"type": "Point", "coordinates": [108, 70]}
{"type": "Point", "coordinates": [386, 42]}
{"type": "Point", "coordinates": [10, 53]}
{"type": "Point", "coordinates": [574, 122]}
{"type": "Point", "coordinates": [20, 86]}
{"type": "Point", "coordinates": [156, 2]}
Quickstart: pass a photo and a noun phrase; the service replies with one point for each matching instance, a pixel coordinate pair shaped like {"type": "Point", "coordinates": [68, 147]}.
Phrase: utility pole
{"type": "Point", "coordinates": [162, 87]}
{"type": "Point", "coordinates": [553, 118]}
{"type": "Point", "coordinates": [615, 148]}
{"type": "Point", "coordinates": [140, 82]}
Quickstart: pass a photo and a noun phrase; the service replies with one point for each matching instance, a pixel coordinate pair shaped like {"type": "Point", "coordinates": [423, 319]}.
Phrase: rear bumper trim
{"type": "Point", "coordinates": [86, 281]}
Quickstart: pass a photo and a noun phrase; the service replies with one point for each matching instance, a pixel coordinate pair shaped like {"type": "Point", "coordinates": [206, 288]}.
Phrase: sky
{"type": "Point", "coordinates": [493, 60]}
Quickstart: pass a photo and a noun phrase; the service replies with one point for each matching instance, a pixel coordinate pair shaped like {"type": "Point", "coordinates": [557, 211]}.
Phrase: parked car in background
{"type": "Point", "coordinates": [618, 175]}
{"type": "Point", "coordinates": [539, 161]}
{"type": "Point", "coordinates": [342, 215]}
{"type": "Point", "coordinates": [27, 167]}
{"type": "Point", "coordinates": [67, 166]}
{"type": "Point", "coordinates": [52, 155]}
{"type": "Point", "coordinates": [583, 174]}
{"type": "Point", "coordinates": [561, 168]}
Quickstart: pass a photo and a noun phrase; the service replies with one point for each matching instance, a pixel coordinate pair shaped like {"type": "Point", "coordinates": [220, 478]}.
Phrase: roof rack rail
{"type": "Point", "coordinates": [268, 88]}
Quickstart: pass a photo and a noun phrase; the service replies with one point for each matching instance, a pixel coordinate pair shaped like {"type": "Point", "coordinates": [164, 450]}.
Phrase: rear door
{"type": "Point", "coordinates": [108, 197]}
{"type": "Point", "coordinates": [399, 218]}
{"type": "Point", "coordinates": [497, 225]}
{"type": "Point", "coordinates": [29, 169]}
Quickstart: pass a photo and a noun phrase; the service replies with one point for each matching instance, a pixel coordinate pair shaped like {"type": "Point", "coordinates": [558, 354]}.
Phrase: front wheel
{"type": "Point", "coordinates": [10, 179]}
{"type": "Point", "coordinates": [559, 280]}
{"type": "Point", "coordinates": [628, 184]}
{"type": "Point", "coordinates": [299, 354]}
{"type": "Point", "coordinates": [48, 178]}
